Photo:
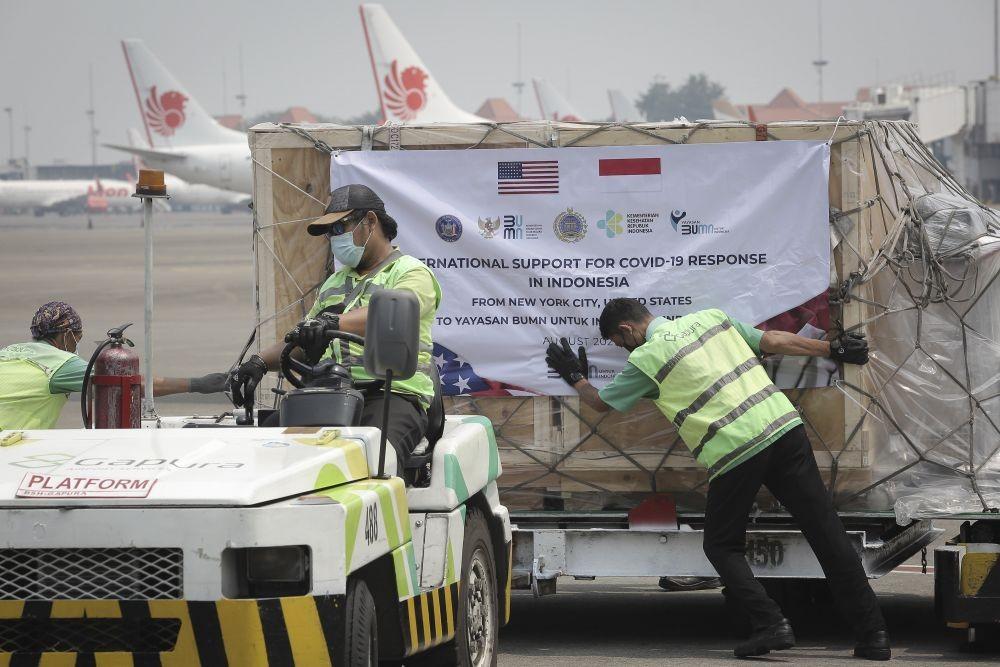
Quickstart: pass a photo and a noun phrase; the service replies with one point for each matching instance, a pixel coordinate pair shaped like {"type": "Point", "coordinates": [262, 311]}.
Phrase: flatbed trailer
{"type": "Point", "coordinates": [549, 545]}
{"type": "Point", "coordinates": [588, 545]}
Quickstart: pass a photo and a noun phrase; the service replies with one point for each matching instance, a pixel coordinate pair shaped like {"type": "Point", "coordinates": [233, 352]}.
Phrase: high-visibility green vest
{"type": "Point", "coordinates": [713, 388]}
{"type": "Point", "coordinates": [25, 371]}
{"type": "Point", "coordinates": [340, 285]}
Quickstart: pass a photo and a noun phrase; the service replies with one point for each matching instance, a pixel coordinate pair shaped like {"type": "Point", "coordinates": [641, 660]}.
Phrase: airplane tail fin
{"type": "Point", "coordinates": [622, 108]}
{"type": "Point", "coordinates": [551, 103]}
{"type": "Point", "coordinates": [172, 117]}
{"type": "Point", "coordinates": [407, 91]}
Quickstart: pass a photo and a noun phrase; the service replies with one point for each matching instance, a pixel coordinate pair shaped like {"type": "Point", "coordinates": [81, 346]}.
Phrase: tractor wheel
{"type": "Point", "coordinates": [478, 620]}
{"type": "Point", "coordinates": [361, 645]}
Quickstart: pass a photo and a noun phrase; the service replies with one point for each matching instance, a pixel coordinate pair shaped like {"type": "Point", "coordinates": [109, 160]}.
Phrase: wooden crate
{"type": "Point", "coordinates": [544, 461]}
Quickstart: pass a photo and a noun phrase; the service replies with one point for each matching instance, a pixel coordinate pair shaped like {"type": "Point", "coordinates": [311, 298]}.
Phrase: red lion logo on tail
{"type": "Point", "coordinates": [405, 94]}
{"type": "Point", "coordinates": [165, 113]}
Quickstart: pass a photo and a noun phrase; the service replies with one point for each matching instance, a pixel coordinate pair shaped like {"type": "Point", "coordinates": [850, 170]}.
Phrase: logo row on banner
{"type": "Point", "coordinates": [571, 225]}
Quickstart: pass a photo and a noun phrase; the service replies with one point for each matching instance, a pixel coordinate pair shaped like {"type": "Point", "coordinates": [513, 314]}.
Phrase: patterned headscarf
{"type": "Point", "coordinates": [53, 318]}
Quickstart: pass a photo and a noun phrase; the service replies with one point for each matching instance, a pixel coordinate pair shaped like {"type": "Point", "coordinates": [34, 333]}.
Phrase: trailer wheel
{"type": "Point", "coordinates": [361, 647]}
{"type": "Point", "coordinates": [477, 624]}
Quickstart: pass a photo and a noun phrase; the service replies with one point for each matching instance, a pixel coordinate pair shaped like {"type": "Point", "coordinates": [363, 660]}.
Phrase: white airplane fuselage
{"type": "Point", "coordinates": [188, 195]}
{"type": "Point", "coordinates": [225, 166]}
{"type": "Point", "coordinates": [42, 194]}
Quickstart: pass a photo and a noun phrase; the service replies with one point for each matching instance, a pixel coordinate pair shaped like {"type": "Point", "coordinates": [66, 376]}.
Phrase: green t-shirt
{"type": "Point", "coordinates": [632, 385]}
{"type": "Point", "coordinates": [69, 377]}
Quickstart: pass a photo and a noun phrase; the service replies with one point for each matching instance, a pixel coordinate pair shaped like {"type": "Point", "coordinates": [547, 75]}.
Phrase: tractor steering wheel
{"type": "Point", "coordinates": [298, 372]}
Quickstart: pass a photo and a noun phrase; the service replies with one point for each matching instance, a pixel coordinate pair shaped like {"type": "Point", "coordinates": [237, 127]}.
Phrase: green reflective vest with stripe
{"type": "Point", "coordinates": [25, 399]}
{"type": "Point", "coordinates": [340, 285]}
{"type": "Point", "coordinates": [714, 389]}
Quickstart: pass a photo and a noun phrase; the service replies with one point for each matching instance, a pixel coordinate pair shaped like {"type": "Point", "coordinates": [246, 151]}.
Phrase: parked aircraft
{"type": "Point", "coordinates": [184, 195]}
{"type": "Point", "coordinates": [407, 91]}
{"type": "Point", "coordinates": [622, 108]}
{"type": "Point", "coordinates": [183, 139]}
{"type": "Point", "coordinates": [67, 196]}
{"type": "Point", "coordinates": [551, 103]}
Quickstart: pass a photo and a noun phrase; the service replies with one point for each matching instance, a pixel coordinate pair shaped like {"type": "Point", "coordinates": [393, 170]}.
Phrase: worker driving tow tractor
{"type": "Point", "coordinates": [360, 232]}
{"type": "Point", "coordinates": [703, 372]}
{"type": "Point", "coordinates": [37, 377]}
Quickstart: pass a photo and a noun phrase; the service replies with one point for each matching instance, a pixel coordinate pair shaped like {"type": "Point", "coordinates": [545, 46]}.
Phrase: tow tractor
{"type": "Point", "coordinates": [200, 542]}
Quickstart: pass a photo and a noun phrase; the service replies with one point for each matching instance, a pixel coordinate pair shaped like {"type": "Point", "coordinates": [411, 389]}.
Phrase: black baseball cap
{"type": "Point", "coordinates": [344, 201]}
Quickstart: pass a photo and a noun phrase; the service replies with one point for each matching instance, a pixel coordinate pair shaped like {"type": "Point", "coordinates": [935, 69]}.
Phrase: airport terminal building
{"type": "Point", "coordinates": [960, 124]}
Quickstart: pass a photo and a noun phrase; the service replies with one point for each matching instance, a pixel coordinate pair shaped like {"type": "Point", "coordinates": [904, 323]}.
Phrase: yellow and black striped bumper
{"type": "Point", "coordinates": [430, 618]}
{"type": "Point", "coordinates": [274, 632]}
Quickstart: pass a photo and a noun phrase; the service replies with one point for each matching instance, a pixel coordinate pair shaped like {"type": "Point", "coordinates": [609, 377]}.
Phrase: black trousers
{"type": "Point", "coordinates": [788, 469]}
{"type": "Point", "coordinates": [407, 424]}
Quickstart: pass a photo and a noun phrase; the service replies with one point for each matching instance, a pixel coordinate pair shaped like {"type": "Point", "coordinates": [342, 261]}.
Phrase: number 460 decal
{"type": "Point", "coordinates": [371, 524]}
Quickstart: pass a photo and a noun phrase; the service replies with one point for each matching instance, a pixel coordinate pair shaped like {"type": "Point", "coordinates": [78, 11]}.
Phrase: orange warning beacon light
{"type": "Point", "coordinates": [150, 183]}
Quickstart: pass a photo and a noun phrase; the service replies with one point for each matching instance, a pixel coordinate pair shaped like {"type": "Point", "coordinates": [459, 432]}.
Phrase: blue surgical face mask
{"type": "Point", "coordinates": [345, 251]}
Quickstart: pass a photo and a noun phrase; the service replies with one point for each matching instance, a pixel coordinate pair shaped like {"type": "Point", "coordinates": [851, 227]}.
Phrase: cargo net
{"type": "Point", "coordinates": [914, 266]}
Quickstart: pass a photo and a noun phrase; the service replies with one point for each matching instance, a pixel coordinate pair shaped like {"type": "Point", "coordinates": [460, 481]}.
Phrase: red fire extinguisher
{"type": "Point", "coordinates": [113, 373]}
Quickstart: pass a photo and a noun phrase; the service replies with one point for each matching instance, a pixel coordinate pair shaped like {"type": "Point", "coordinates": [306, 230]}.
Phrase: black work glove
{"type": "Point", "coordinates": [849, 348]}
{"type": "Point", "coordinates": [244, 380]}
{"type": "Point", "coordinates": [213, 383]}
{"type": "Point", "coordinates": [310, 335]}
{"type": "Point", "coordinates": [569, 366]}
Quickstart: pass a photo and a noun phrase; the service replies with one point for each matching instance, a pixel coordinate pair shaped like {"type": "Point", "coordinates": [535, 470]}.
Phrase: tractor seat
{"type": "Point", "coordinates": [465, 461]}
{"type": "Point", "coordinates": [416, 466]}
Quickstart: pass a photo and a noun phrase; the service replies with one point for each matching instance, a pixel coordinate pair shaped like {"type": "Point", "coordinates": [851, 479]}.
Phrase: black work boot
{"type": "Point", "coordinates": [775, 637]}
{"type": "Point", "coordinates": [874, 646]}
{"type": "Point", "coordinates": [689, 583]}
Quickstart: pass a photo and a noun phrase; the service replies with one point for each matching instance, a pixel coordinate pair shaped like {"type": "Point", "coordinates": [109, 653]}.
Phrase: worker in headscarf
{"type": "Point", "coordinates": [37, 377]}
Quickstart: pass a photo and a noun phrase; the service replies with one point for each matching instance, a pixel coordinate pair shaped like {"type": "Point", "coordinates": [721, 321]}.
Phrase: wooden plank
{"type": "Point", "coordinates": [610, 461]}
{"type": "Point", "coordinates": [300, 264]}
{"type": "Point", "coordinates": [349, 138]}
{"type": "Point", "coordinates": [263, 219]}
{"type": "Point", "coordinates": [852, 312]}
{"type": "Point", "coordinates": [874, 223]}
{"type": "Point", "coordinates": [460, 136]}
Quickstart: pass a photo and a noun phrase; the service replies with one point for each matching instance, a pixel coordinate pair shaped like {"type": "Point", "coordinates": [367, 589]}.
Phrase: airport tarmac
{"type": "Point", "coordinates": [204, 313]}
{"type": "Point", "coordinates": [203, 286]}
{"type": "Point", "coordinates": [632, 622]}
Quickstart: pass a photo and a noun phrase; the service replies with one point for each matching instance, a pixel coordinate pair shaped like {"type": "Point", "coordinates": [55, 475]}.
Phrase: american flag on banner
{"type": "Point", "coordinates": [459, 378]}
{"type": "Point", "coordinates": [529, 177]}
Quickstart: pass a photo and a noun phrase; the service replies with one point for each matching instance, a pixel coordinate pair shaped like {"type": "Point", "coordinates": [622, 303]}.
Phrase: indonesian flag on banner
{"type": "Point", "coordinates": [641, 174]}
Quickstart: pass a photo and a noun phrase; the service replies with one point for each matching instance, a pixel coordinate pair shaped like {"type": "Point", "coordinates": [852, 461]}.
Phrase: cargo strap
{"type": "Point", "coordinates": [318, 144]}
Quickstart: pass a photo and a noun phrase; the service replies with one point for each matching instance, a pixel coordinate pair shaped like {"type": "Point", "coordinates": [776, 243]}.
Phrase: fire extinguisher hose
{"type": "Point", "coordinates": [85, 392]}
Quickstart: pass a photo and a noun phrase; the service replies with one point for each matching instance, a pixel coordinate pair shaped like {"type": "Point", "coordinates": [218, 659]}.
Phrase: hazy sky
{"type": "Point", "coordinates": [312, 53]}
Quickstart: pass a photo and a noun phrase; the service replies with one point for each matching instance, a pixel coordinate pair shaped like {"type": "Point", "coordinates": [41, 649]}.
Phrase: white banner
{"type": "Point", "coordinates": [530, 244]}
